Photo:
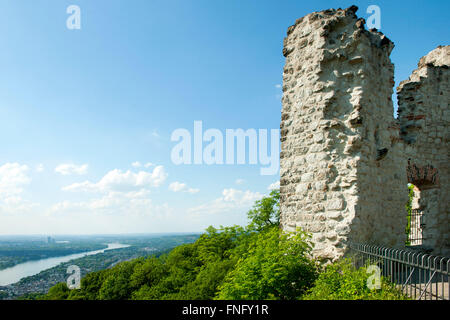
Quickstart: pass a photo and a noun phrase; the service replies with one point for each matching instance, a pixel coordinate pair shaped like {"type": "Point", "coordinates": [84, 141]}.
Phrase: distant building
{"type": "Point", "coordinates": [50, 240]}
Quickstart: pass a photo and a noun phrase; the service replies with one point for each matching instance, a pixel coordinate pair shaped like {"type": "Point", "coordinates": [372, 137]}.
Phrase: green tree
{"type": "Point", "coordinates": [116, 285]}
{"type": "Point", "coordinates": [217, 244]}
{"type": "Point", "coordinates": [3, 294]}
{"type": "Point", "coordinates": [265, 212]}
{"type": "Point", "coordinates": [276, 267]}
{"type": "Point", "coordinates": [90, 286]}
{"type": "Point", "coordinates": [148, 272]}
{"type": "Point", "coordinates": [207, 281]}
{"type": "Point", "coordinates": [59, 291]}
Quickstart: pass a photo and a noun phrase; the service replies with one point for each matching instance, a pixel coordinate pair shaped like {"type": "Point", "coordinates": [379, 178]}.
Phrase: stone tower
{"type": "Point", "coordinates": [343, 159]}
{"type": "Point", "coordinates": [424, 116]}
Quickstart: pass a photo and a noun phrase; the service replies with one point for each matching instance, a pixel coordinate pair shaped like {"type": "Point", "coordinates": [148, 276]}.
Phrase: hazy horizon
{"type": "Point", "coordinates": [44, 236]}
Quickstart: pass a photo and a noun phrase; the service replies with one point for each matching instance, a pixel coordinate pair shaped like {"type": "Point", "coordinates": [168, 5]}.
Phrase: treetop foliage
{"type": "Point", "coordinates": [258, 261]}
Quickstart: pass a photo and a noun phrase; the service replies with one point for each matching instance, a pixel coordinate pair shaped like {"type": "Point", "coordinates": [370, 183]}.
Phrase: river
{"type": "Point", "coordinates": [14, 274]}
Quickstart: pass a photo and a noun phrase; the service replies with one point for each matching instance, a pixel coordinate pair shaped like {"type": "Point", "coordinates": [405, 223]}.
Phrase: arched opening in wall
{"type": "Point", "coordinates": [415, 217]}
{"type": "Point", "coordinates": [423, 205]}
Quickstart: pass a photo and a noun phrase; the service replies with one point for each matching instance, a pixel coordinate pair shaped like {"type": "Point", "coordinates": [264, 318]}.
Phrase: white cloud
{"type": "Point", "coordinates": [85, 186]}
{"type": "Point", "coordinates": [240, 181]}
{"type": "Point", "coordinates": [177, 186]}
{"type": "Point", "coordinates": [275, 185]}
{"type": "Point", "coordinates": [133, 203]}
{"type": "Point", "coordinates": [155, 134]}
{"type": "Point", "coordinates": [278, 86]}
{"type": "Point", "coordinates": [122, 193]}
{"type": "Point", "coordinates": [182, 187]}
{"type": "Point", "coordinates": [232, 200]}
{"type": "Point", "coordinates": [13, 179]}
{"type": "Point", "coordinates": [65, 206]}
{"type": "Point", "coordinates": [192, 190]}
{"type": "Point", "coordinates": [240, 197]}
{"type": "Point", "coordinates": [39, 168]}
{"type": "Point", "coordinates": [136, 164]}
{"type": "Point", "coordinates": [69, 169]}
{"type": "Point", "coordinates": [119, 180]}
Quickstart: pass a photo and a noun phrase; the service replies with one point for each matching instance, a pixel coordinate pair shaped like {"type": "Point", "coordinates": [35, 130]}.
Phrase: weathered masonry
{"type": "Point", "coordinates": [345, 160]}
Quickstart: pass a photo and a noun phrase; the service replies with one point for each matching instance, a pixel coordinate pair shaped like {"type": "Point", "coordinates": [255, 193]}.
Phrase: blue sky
{"type": "Point", "coordinates": [79, 107]}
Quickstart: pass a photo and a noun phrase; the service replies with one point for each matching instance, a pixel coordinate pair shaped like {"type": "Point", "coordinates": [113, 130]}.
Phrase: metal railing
{"type": "Point", "coordinates": [416, 225]}
{"type": "Point", "coordinates": [420, 276]}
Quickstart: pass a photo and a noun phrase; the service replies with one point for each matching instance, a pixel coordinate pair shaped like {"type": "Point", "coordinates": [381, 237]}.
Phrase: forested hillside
{"type": "Point", "coordinates": [253, 262]}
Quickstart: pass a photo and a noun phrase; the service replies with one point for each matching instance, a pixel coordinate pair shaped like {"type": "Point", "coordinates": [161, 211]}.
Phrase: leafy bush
{"type": "Point", "coordinates": [275, 267]}
{"type": "Point", "coordinates": [342, 281]}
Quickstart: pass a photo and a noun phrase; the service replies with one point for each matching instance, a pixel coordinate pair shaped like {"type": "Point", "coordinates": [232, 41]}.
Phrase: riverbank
{"type": "Point", "coordinates": [138, 246]}
{"type": "Point", "coordinates": [26, 249]}
{"type": "Point", "coordinates": [16, 273]}
{"type": "Point", "coordinates": [40, 283]}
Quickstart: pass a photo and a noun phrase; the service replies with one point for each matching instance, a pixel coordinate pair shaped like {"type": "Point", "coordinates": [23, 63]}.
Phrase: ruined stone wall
{"type": "Point", "coordinates": [343, 164]}
{"type": "Point", "coordinates": [424, 116]}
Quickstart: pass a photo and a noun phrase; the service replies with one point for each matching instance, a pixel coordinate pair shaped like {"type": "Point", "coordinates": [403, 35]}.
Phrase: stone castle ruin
{"type": "Point", "coordinates": [345, 160]}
